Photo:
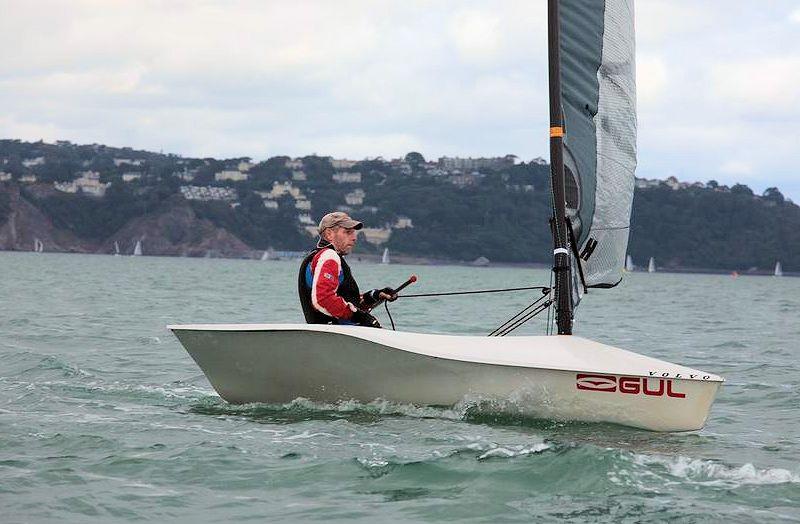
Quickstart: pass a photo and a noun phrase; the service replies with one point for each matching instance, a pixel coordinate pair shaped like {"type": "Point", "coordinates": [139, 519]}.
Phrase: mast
{"type": "Point", "coordinates": [561, 264]}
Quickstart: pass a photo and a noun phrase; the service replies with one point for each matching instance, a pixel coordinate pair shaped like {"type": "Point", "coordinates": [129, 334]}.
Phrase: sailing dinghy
{"type": "Point", "coordinates": [563, 377]}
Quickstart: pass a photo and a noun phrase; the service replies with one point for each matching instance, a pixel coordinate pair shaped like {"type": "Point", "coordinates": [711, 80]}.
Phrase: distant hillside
{"type": "Point", "coordinates": [86, 197]}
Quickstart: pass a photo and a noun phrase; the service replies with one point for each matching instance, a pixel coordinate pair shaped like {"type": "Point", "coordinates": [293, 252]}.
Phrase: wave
{"type": "Point", "coordinates": [712, 473]}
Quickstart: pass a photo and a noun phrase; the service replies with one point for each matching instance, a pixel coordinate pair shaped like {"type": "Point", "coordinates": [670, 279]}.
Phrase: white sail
{"type": "Point", "coordinates": [385, 257]}
{"type": "Point", "coordinates": [116, 248]}
{"type": "Point", "coordinates": [38, 246]}
{"type": "Point", "coordinates": [598, 96]}
{"type": "Point", "coordinates": [137, 251]}
{"type": "Point", "coordinates": [629, 264]}
{"type": "Point", "coordinates": [265, 255]}
{"type": "Point", "coordinates": [778, 269]}
{"type": "Point", "coordinates": [651, 266]}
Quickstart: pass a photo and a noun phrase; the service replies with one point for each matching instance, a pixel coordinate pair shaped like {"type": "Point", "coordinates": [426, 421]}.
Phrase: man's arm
{"type": "Point", "coordinates": [327, 266]}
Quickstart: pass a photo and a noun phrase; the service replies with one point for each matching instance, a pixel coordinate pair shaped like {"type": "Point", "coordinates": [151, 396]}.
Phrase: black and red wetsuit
{"type": "Point", "coordinates": [328, 292]}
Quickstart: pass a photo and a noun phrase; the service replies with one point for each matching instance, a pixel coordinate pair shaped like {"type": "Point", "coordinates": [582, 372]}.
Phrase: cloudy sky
{"type": "Point", "coordinates": [718, 80]}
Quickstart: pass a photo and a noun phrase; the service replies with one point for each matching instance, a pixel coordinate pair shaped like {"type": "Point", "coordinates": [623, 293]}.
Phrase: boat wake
{"type": "Point", "coordinates": [712, 473]}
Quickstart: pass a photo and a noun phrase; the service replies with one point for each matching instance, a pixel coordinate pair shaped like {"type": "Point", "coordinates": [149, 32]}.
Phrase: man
{"type": "Point", "coordinates": [328, 292]}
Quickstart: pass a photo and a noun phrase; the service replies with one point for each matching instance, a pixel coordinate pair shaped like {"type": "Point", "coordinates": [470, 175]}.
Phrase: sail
{"type": "Point", "coordinates": [629, 264]}
{"type": "Point", "coordinates": [598, 96]}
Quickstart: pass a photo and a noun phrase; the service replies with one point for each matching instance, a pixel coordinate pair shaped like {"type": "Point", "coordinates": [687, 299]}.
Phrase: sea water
{"type": "Point", "coordinates": [105, 418]}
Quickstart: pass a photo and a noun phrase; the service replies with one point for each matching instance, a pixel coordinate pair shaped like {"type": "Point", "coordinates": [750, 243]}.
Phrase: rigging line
{"type": "Point", "coordinates": [523, 320]}
{"type": "Point", "coordinates": [515, 317]}
{"type": "Point", "coordinates": [549, 326]}
{"type": "Point", "coordinates": [541, 288]}
{"type": "Point", "coordinates": [386, 305]}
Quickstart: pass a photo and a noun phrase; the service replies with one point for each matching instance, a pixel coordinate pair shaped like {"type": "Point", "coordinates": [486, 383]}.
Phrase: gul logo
{"type": "Point", "coordinates": [597, 382]}
{"type": "Point", "coordinates": [628, 385]}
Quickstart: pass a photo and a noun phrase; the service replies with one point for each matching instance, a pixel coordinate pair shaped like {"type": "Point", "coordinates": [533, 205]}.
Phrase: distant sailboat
{"type": "Point", "coordinates": [265, 255]}
{"type": "Point", "coordinates": [116, 248]}
{"type": "Point", "coordinates": [137, 251]}
{"type": "Point", "coordinates": [385, 257]}
{"type": "Point", "coordinates": [629, 264]}
{"type": "Point", "coordinates": [778, 269]}
{"type": "Point", "coordinates": [651, 266]}
{"type": "Point", "coordinates": [38, 246]}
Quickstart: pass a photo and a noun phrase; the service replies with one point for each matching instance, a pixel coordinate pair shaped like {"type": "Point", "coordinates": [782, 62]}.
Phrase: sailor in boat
{"type": "Point", "coordinates": [328, 292]}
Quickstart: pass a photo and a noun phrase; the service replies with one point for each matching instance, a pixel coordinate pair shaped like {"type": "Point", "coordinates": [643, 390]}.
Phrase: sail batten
{"type": "Point", "coordinates": [599, 99]}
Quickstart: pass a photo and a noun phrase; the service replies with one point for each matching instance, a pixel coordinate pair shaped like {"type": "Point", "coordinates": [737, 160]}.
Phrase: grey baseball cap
{"type": "Point", "coordinates": [340, 219]}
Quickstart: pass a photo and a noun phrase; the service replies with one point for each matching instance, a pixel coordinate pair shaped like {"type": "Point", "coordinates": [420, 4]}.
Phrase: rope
{"type": "Point", "coordinates": [542, 288]}
{"type": "Point", "coordinates": [386, 305]}
{"type": "Point", "coordinates": [523, 316]}
{"type": "Point", "coordinates": [509, 325]}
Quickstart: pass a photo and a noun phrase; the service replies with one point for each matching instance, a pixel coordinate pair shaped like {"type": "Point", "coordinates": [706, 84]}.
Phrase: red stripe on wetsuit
{"type": "Point", "coordinates": [325, 269]}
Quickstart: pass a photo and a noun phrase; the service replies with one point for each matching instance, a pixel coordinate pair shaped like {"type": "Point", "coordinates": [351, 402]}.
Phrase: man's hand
{"type": "Point", "coordinates": [387, 293]}
{"type": "Point", "coordinates": [362, 318]}
{"type": "Point", "coordinates": [375, 297]}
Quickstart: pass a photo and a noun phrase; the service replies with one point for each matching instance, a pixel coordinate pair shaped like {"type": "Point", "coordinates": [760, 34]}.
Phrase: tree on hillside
{"type": "Point", "coordinates": [415, 159]}
{"type": "Point", "coordinates": [773, 195]}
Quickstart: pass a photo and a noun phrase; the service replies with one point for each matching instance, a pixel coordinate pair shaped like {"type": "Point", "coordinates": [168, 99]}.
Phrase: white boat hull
{"type": "Point", "coordinates": [561, 378]}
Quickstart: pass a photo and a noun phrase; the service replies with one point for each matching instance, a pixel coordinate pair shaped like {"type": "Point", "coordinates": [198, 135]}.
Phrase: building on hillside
{"type": "Point", "coordinates": [341, 163]}
{"type": "Point", "coordinates": [130, 177]}
{"type": "Point", "coordinates": [347, 177]}
{"type": "Point", "coordinates": [299, 176]}
{"type": "Point", "coordinates": [282, 188]}
{"type": "Point", "coordinates": [270, 204]}
{"type": "Point", "coordinates": [355, 198]}
{"type": "Point", "coordinates": [129, 161]}
{"type": "Point", "coordinates": [539, 161]}
{"type": "Point", "coordinates": [88, 183]}
{"type": "Point", "coordinates": [305, 219]}
{"type": "Point", "coordinates": [402, 223]}
{"type": "Point", "coordinates": [5, 177]}
{"type": "Point", "coordinates": [464, 180]}
{"type": "Point", "coordinates": [230, 174]}
{"type": "Point", "coordinates": [28, 179]}
{"type": "Point", "coordinates": [376, 235]}
{"type": "Point", "coordinates": [644, 183]}
{"type": "Point", "coordinates": [311, 230]}
{"type": "Point", "coordinates": [185, 175]}
{"type": "Point", "coordinates": [244, 166]}
{"type": "Point", "coordinates": [207, 193]}
{"type": "Point", "coordinates": [471, 164]}
{"type": "Point", "coordinates": [31, 162]}
{"type": "Point", "coordinates": [303, 204]}
{"type": "Point", "coordinates": [297, 163]}
{"type": "Point", "coordinates": [435, 171]}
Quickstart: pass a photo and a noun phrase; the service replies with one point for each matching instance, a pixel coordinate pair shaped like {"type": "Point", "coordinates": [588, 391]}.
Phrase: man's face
{"type": "Point", "coordinates": [343, 240]}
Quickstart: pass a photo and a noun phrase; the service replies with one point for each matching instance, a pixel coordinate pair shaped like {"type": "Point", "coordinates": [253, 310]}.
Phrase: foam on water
{"type": "Point", "coordinates": [707, 472]}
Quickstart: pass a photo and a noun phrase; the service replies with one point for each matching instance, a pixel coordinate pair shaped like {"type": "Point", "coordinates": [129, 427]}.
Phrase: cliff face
{"type": "Point", "coordinates": [172, 230]}
{"type": "Point", "coordinates": [25, 223]}
{"type": "Point", "coordinates": [175, 230]}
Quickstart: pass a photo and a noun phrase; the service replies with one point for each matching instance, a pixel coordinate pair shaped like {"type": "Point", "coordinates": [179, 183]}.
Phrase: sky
{"type": "Point", "coordinates": [718, 80]}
